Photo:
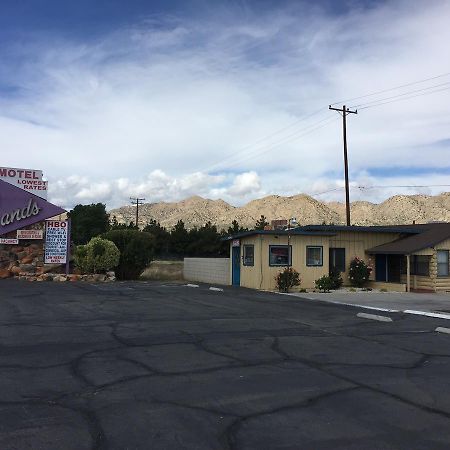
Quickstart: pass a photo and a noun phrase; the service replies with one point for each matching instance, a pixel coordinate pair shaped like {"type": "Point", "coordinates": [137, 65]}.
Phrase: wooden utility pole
{"type": "Point", "coordinates": [137, 201]}
{"type": "Point", "coordinates": [344, 111]}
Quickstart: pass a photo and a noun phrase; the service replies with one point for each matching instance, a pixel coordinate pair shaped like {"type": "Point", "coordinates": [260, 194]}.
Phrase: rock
{"type": "Point", "coordinates": [27, 268]}
{"type": "Point", "coordinates": [111, 274]}
{"type": "Point", "coordinates": [74, 277]}
{"type": "Point", "coordinates": [27, 260]}
{"type": "Point", "coordinates": [60, 278]}
{"type": "Point", "coordinates": [4, 273]}
{"type": "Point", "coordinates": [15, 270]}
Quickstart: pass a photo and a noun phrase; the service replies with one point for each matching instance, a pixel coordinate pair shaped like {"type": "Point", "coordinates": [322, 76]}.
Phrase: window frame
{"type": "Point", "coordinates": [244, 247]}
{"type": "Point", "coordinates": [289, 264]}
{"type": "Point", "coordinates": [447, 263]}
{"type": "Point", "coordinates": [321, 255]}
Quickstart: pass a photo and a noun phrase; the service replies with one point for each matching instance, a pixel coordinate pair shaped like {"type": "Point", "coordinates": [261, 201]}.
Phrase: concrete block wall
{"type": "Point", "coordinates": [207, 270]}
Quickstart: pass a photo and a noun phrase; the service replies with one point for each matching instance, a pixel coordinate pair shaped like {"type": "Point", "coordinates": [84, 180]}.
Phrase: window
{"type": "Point", "coordinates": [279, 255]}
{"type": "Point", "coordinates": [420, 265]}
{"type": "Point", "coordinates": [442, 263]}
{"type": "Point", "coordinates": [337, 259]}
{"type": "Point", "coordinates": [314, 256]}
{"type": "Point", "coordinates": [249, 255]}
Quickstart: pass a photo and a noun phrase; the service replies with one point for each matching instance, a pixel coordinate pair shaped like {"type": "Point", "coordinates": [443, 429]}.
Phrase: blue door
{"type": "Point", "coordinates": [381, 268]}
{"type": "Point", "coordinates": [236, 266]}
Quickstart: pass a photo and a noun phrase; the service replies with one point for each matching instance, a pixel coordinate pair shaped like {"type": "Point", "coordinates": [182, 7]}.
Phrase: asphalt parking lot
{"type": "Point", "coordinates": [154, 366]}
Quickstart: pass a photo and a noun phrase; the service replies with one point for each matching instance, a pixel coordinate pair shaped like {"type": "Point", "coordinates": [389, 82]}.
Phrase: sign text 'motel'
{"type": "Point", "coordinates": [27, 179]}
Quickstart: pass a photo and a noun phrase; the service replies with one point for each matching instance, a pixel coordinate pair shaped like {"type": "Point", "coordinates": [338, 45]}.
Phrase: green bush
{"type": "Point", "coordinates": [98, 255]}
{"type": "Point", "coordinates": [359, 272]}
{"type": "Point", "coordinates": [336, 279]}
{"type": "Point", "coordinates": [136, 252]}
{"type": "Point", "coordinates": [324, 283]}
{"type": "Point", "coordinates": [287, 279]}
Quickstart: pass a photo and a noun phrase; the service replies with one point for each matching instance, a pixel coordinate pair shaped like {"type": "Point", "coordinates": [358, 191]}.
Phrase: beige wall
{"type": "Point", "coordinates": [262, 276]}
{"type": "Point", "coordinates": [207, 270]}
{"type": "Point", "coordinates": [356, 244]}
{"type": "Point", "coordinates": [442, 283]}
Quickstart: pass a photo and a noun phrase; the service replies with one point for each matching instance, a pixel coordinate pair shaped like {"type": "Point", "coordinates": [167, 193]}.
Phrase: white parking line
{"type": "Point", "coordinates": [443, 330]}
{"type": "Point", "coordinates": [428, 314]}
{"type": "Point", "coordinates": [212, 288]}
{"type": "Point", "coordinates": [374, 317]}
{"type": "Point", "coordinates": [192, 285]}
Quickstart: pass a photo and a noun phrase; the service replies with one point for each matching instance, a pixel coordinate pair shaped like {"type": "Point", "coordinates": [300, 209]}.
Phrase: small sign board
{"type": "Point", "coordinates": [235, 243]}
{"type": "Point", "coordinates": [9, 241]}
{"type": "Point", "coordinates": [30, 234]}
{"type": "Point", "coordinates": [56, 239]}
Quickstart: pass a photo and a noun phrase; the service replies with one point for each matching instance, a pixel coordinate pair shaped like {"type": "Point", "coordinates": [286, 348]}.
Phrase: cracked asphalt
{"type": "Point", "coordinates": [154, 366]}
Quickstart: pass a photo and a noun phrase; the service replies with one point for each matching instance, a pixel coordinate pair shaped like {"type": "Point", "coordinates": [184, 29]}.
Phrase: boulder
{"type": "Point", "coordinates": [4, 273]}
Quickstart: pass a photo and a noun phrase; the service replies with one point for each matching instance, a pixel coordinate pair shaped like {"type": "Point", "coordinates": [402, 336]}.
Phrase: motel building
{"type": "Point", "coordinates": [404, 258]}
{"type": "Point", "coordinates": [28, 240]}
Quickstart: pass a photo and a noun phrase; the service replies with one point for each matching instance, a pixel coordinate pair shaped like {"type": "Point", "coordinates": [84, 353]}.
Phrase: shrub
{"type": "Point", "coordinates": [98, 255]}
{"type": "Point", "coordinates": [324, 283]}
{"type": "Point", "coordinates": [336, 279]}
{"type": "Point", "coordinates": [287, 279]}
{"type": "Point", "coordinates": [136, 252]}
{"type": "Point", "coordinates": [359, 272]}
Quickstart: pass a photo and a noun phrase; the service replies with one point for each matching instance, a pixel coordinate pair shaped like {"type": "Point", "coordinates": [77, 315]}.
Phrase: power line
{"type": "Point", "coordinates": [276, 132]}
{"type": "Point", "coordinates": [361, 105]}
{"type": "Point", "coordinates": [288, 139]}
{"type": "Point", "coordinates": [405, 98]}
{"type": "Point", "coordinates": [392, 89]}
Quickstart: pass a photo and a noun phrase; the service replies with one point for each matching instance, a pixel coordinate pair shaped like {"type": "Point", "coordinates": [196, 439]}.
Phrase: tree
{"type": "Point", "coordinates": [179, 239]}
{"type": "Point", "coordinates": [88, 221]}
{"type": "Point", "coordinates": [136, 252]}
{"type": "Point", "coordinates": [236, 228]}
{"type": "Point", "coordinates": [261, 223]}
{"type": "Point", "coordinates": [206, 241]}
{"type": "Point", "coordinates": [161, 237]}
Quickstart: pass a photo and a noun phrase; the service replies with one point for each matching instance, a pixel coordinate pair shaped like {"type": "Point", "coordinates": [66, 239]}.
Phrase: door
{"type": "Point", "coordinates": [236, 266]}
{"type": "Point", "coordinates": [381, 267]}
{"type": "Point", "coordinates": [337, 260]}
{"type": "Point", "coordinates": [394, 268]}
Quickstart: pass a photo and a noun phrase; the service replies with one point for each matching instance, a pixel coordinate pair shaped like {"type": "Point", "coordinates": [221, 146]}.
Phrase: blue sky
{"type": "Point", "coordinates": [224, 99]}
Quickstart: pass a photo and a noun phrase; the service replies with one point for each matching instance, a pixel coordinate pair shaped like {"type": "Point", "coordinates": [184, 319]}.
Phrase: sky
{"type": "Point", "coordinates": [225, 99]}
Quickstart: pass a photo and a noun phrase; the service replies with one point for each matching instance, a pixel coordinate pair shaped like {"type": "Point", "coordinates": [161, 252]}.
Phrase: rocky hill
{"type": "Point", "coordinates": [196, 211]}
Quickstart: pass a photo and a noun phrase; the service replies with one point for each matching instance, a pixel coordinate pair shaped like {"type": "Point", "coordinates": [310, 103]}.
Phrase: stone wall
{"type": "Point", "coordinates": [207, 270]}
{"type": "Point", "coordinates": [28, 257]}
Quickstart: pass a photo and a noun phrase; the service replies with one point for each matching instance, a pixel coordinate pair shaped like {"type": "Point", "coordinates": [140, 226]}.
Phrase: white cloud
{"type": "Point", "coordinates": [150, 110]}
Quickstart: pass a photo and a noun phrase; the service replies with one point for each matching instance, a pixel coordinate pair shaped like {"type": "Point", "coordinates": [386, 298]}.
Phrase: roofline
{"type": "Point", "coordinates": [368, 229]}
{"type": "Point", "coordinates": [292, 232]}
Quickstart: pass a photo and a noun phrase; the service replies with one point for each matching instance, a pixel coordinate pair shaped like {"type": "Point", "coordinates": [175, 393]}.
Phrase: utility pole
{"type": "Point", "coordinates": [344, 111]}
{"type": "Point", "coordinates": [137, 201]}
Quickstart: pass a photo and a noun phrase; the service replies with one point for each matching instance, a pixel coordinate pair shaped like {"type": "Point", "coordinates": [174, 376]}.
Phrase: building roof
{"type": "Point", "coordinates": [408, 229]}
{"type": "Point", "coordinates": [429, 235]}
{"type": "Point", "coordinates": [292, 232]}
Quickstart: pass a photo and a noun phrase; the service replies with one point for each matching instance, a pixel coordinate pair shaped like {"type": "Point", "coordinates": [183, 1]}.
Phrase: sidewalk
{"type": "Point", "coordinates": [398, 301]}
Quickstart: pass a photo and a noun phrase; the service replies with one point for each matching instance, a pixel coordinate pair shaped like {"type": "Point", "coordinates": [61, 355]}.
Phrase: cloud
{"type": "Point", "coordinates": [176, 106]}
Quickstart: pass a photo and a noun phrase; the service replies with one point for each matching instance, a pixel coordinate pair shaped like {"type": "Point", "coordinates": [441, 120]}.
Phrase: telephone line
{"type": "Point", "coordinates": [392, 89]}
{"type": "Point", "coordinates": [361, 105]}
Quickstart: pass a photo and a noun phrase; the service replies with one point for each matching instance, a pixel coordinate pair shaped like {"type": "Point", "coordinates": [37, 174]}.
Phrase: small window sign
{"type": "Point", "coordinates": [236, 243]}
